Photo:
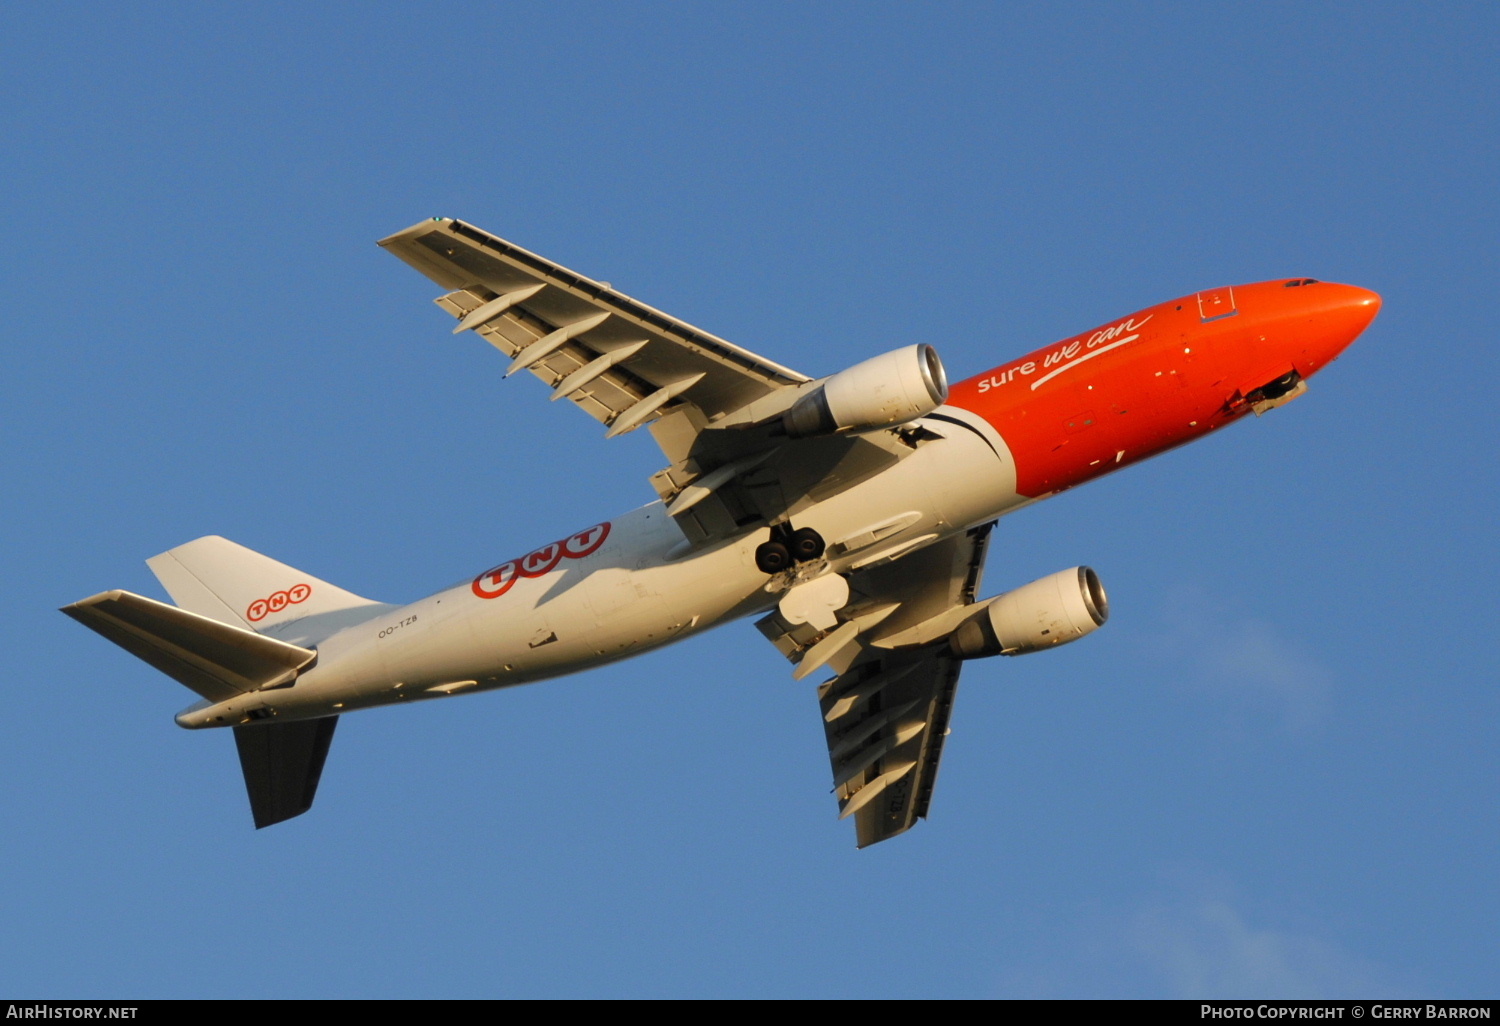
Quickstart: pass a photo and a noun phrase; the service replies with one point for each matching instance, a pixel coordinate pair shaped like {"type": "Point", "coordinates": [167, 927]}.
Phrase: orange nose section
{"type": "Point", "coordinates": [1344, 311]}
{"type": "Point", "coordinates": [1363, 306]}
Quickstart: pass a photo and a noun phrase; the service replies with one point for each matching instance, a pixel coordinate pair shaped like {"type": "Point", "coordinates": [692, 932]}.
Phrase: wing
{"type": "Point", "coordinates": [886, 711]}
{"type": "Point", "coordinates": [711, 405]}
{"type": "Point", "coordinates": [621, 361]}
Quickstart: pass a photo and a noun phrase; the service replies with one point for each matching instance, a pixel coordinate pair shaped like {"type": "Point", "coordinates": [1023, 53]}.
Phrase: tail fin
{"type": "Point", "coordinates": [240, 624]}
{"type": "Point", "coordinates": [219, 579]}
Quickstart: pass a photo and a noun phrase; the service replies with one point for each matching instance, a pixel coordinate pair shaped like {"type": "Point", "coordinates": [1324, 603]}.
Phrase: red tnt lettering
{"type": "Point", "coordinates": [497, 581]}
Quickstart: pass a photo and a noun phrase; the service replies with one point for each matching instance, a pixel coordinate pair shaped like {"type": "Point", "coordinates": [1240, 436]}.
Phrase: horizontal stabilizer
{"type": "Point", "coordinates": [282, 764]}
{"type": "Point", "coordinates": [214, 659]}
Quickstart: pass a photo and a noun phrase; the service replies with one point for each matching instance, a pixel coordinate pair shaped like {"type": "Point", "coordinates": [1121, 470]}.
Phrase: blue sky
{"type": "Point", "coordinates": [1273, 773]}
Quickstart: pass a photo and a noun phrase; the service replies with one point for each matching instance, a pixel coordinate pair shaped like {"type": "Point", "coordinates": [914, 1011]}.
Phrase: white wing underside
{"type": "Point", "coordinates": [578, 321]}
{"type": "Point", "coordinates": [886, 711]}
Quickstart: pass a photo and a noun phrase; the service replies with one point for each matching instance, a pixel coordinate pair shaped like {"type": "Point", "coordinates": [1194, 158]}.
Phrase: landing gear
{"type": "Point", "coordinates": [1281, 386]}
{"type": "Point", "coordinates": [1274, 393]}
{"type": "Point", "coordinates": [787, 547]}
{"type": "Point", "coordinates": [772, 557]}
{"type": "Point", "coordinates": [806, 544]}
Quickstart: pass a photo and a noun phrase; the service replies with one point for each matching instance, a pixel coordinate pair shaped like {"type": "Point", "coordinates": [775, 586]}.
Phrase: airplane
{"type": "Point", "coordinates": [850, 514]}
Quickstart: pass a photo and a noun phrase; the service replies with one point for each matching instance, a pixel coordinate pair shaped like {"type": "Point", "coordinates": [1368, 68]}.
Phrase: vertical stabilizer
{"type": "Point", "coordinates": [217, 578]}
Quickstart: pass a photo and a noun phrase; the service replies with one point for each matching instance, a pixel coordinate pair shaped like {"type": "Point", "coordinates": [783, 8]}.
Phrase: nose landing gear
{"type": "Point", "coordinates": [1277, 393]}
{"type": "Point", "coordinates": [787, 547]}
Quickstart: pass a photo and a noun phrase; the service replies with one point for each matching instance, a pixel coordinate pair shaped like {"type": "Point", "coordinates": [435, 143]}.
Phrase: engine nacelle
{"type": "Point", "coordinates": [892, 389]}
{"type": "Point", "coordinates": [1055, 610]}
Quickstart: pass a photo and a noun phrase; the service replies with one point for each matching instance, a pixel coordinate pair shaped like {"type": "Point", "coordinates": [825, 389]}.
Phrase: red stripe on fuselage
{"type": "Point", "coordinates": [1158, 378]}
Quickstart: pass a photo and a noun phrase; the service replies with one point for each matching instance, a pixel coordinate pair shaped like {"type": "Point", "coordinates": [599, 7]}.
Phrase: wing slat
{"type": "Point", "coordinates": [875, 788]}
{"type": "Point", "coordinates": [591, 370]}
{"type": "Point", "coordinates": [482, 315]}
{"type": "Point", "coordinates": [552, 341]}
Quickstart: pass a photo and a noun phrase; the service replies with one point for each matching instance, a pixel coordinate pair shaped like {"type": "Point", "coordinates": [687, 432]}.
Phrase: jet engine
{"type": "Point", "coordinates": [897, 387]}
{"type": "Point", "coordinates": [1055, 610]}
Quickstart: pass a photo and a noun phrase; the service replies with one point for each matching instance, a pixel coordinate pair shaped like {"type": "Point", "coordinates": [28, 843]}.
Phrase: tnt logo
{"type": "Point", "coordinates": [276, 602]}
{"type": "Point", "coordinates": [498, 580]}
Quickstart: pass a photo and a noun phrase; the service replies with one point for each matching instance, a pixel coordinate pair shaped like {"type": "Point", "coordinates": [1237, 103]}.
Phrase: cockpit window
{"type": "Point", "coordinates": [1299, 281]}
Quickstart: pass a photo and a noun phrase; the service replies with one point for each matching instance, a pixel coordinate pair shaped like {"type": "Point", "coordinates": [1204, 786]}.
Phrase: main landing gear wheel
{"type": "Point", "coordinates": [772, 557]}
{"type": "Point", "coordinates": [787, 547]}
{"type": "Point", "coordinates": [805, 544]}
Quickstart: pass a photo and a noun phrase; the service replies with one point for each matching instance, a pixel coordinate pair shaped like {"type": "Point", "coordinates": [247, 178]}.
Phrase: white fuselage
{"type": "Point", "coordinates": [643, 587]}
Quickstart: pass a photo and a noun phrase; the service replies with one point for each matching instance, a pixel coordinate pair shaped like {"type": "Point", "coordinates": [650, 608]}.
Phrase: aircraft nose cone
{"type": "Point", "coordinates": [1364, 305]}
{"type": "Point", "coordinates": [1357, 307]}
{"type": "Point", "coordinates": [1343, 313]}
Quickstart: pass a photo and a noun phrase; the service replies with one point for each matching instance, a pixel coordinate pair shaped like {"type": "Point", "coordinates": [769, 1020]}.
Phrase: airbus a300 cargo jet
{"type": "Point", "coordinates": [849, 513]}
